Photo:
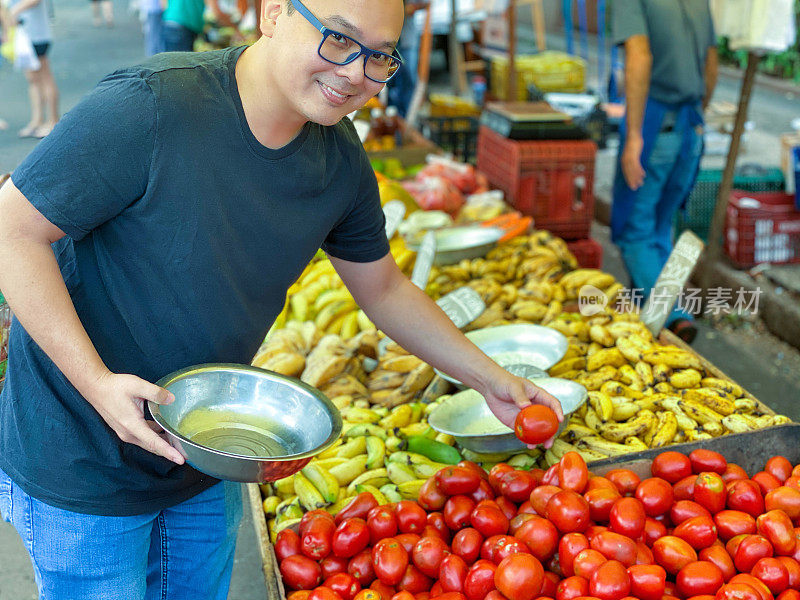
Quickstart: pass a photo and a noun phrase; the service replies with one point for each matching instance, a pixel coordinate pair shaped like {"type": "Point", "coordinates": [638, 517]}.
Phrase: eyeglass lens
{"type": "Point", "coordinates": [340, 49]}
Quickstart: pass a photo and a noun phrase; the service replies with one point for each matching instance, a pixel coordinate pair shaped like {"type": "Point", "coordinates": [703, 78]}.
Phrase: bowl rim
{"type": "Point", "coordinates": [336, 417]}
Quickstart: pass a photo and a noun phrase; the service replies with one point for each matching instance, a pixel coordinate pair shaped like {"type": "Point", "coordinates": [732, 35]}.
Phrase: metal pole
{"type": "Point", "coordinates": [715, 234]}
{"type": "Point", "coordinates": [452, 44]}
{"type": "Point", "coordinates": [511, 89]}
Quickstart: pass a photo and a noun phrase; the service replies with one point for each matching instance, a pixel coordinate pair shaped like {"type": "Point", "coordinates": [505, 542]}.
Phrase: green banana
{"type": "Point", "coordinates": [394, 443]}
{"type": "Point", "coordinates": [435, 451]}
{"type": "Point", "coordinates": [322, 479]}
{"type": "Point", "coordinates": [392, 492]}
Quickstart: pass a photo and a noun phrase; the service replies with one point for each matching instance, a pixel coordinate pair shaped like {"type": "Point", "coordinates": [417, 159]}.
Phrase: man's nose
{"type": "Point", "coordinates": [354, 71]}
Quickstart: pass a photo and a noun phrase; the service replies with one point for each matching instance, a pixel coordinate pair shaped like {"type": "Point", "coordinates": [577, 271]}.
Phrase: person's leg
{"type": "Point", "coordinates": [177, 38]}
{"type": "Point", "coordinates": [192, 548]}
{"type": "Point", "coordinates": [35, 96]}
{"type": "Point", "coordinates": [637, 242]}
{"type": "Point", "coordinates": [77, 556]}
{"type": "Point", "coordinates": [108, 12]}
{"type": "Point", "coordinates": [50, 98]}
{"type": "Point", "coordinates": [153, 36]}
{"type": "Point", "coordinates": [96, 19]}
{"type": "Point", "coordinates": [679, 184]}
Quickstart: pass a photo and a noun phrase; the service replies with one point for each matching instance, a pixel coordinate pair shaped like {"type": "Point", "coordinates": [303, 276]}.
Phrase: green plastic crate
{"type": "Point", "coordinates": [699, 209]}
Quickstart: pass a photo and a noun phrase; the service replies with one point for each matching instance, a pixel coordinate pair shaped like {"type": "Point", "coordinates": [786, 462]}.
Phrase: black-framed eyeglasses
{"type": "Point", "coordinates": [341, 49]}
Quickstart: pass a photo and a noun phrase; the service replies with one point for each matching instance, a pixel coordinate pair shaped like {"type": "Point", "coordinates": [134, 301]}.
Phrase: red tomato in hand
{"type": "Point", "coordinates": [610, 581]}
{"type": "Point", "coordinates": [627, 517]}
{"type": "Point", "coordinates": [428, 554]}
{"type": "Point", "coordinates": [671, 466]}
{"type": "Point", "coordinates": [568, 511]}
{"type": "Point", "coordinates": [656, 496]}
{"type": "Point", "coordinates": [535, 424]}
{"type": "Point", "coordinates": [519, 576]}
{"type": "Point", "coordinates": [673, 553]}
{"type": "Point", "coordinates": [300, 572]}
{"type": "Point", "coordinates": [647, 581]}
{"type": "Point", "coordinates": [389, 560]}
{"type": "Point", "coordinates": [699, 578]}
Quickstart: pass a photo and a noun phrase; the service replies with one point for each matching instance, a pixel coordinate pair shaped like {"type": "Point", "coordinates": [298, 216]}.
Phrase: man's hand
{"type": "Point", "coordinates": [631, 161]}
{"type": "Point", "coordinates": [509, 394]}
{"type": "Point", "coordinates": [120, 401]}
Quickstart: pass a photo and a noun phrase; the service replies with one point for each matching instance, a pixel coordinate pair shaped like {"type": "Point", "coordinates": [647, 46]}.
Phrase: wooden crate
{"type": "Point", "coordinates": [746, 449]}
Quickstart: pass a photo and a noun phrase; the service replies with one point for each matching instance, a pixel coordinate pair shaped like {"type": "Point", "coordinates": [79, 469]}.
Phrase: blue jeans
{"type": "Point", "coordinates": [153, 34]}
{"type": "Point", "coordinates": [646, 241]}
{"type": "Point", "coordinates": [176, 37]}
{"type": "Point", "coordinates": [180, 553]}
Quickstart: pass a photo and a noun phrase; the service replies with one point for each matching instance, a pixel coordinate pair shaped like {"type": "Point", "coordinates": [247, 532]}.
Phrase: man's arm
{"type": "Point", "coordinates": [712, 68]}
{"type": "Point", "coordinates": [16, 10]}
{"type": "Point", "coordinates": [638, 62]}
{"type": "Point", "coordinates": [414, 321]}
{"type": "Point", "coordinates": [35, 291]}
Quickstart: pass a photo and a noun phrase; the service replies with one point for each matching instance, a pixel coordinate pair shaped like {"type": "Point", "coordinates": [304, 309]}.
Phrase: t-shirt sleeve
{"type": "Point", "coordinates": [627, 19]}
{"type": "Point", "coordinates": [96, 161]}
{"type": "Point", "coordinates": [360, 236]}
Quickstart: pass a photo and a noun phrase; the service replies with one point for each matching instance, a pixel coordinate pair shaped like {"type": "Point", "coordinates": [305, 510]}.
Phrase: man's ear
{"type": "Point", "coordinates": [270, 9]}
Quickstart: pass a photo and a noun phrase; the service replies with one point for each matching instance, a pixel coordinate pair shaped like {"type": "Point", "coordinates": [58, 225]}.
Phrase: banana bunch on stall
{"type": "Point", "coordinates": [319, 295]}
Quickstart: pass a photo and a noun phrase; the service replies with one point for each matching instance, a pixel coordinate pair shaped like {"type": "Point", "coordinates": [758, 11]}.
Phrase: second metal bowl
{"type": "Point", "coordinates": [242, 423]}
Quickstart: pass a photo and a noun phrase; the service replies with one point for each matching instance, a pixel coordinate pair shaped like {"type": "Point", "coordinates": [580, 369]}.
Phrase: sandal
{"type": "Point", "coordinates": [28, 131]}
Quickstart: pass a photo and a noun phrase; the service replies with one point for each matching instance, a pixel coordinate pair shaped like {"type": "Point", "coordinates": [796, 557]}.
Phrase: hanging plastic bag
{"type": "Point", "coordinates": [23, 55]}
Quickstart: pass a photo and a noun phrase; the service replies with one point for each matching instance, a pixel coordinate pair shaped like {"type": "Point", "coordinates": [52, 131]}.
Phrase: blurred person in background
{"type": "Point", "coordinates": [183, 21]}
{"type": "Point", "coordinates": [102, 12]}
{"type": "Point", "coordinates": [152, 12]}
{"type": "Point", "coordinates": [670, 74]}
{"type": "Point", "coordinates": [401, 88]}
{"type": "Point", "coordinates": [32, 17]}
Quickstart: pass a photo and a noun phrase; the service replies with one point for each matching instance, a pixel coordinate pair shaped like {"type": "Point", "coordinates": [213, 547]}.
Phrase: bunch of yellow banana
{"type": "Point", "coordinates": [319, 295]}
{"type": "Point", "coordinates": [642, 394]}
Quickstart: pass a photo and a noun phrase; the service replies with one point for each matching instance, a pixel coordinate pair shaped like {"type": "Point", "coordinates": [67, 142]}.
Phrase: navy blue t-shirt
{"type": "Point", "coordinates": [183, 234]}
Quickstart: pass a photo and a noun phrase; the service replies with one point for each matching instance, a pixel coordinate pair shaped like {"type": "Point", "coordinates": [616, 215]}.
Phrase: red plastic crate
{"type": "Point", "coordinates": [588, 252]}
{"type": "Point", "coordinates": [762, 227]}
{"type": "Point", "coordinates": [551, 181]}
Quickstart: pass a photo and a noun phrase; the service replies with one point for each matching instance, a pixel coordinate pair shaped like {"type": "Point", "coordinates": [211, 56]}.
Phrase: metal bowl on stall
{"type": "Point", "coordinates": [454, 244]}
{"type": "Point", "coordinates": [242, 423]}
{"type": "Point", "coordinates": [532, 345]}
{"type": "Point", "coordinates": [467, 417]}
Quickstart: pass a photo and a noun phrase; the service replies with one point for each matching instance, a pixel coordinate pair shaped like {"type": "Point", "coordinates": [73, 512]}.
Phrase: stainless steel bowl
{"type": "Point", "coordinates": [467, 417]}
{"type": "Point", "coordinates": [454, 244]}
{"type": "Point", "coordinates": [518, 344]}
{"type": "Point", "coordinates": [242, 423]}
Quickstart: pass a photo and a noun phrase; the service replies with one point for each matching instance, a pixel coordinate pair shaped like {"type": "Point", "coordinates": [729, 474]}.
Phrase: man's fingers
{"type": "Point", "coordinates": [542, 397]}
{"type": "Point", "coordinates": [152, 392]}
{"type": "Point", "coordinates": [148, 439]}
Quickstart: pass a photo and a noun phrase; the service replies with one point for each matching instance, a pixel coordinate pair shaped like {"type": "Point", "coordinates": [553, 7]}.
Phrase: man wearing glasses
{"type": "Point", "coordinates": [159, 226]}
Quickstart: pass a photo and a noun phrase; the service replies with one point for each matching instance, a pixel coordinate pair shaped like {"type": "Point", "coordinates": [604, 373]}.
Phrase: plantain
{"type": "Point", "coordinates": [603, 446]}
{"type": "Point", "coordinates": [605, 357]}
{"type": "Point", "coordinates": [675, 359]}
{"type": "Point", "coordinates": [602, 405]}
{"type": "Point", "coordinates": [623, 408]}
{"type": "Point", "coordinates": [699, 412]}
{"type": "Point", "coordinates": [666, 429]}
{"type": "Point", "coordinates": [685, 378]}
{"type": "Point", "coordinates": [645, 372]}
{"type": "Point", "coordinates": [616, 388]}
{"type": "Point", "coordinates": [574, 432]}
{"type": "Point", "coordinates": [724, 385]}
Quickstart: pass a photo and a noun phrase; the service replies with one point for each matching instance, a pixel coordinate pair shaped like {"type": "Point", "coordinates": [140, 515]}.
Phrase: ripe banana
{"type": "Point", "coordinates": [399, 473]}
{"type": "Point", "coordinates": [602, 405]}
{"type": "Point", "coordinates": [699, 412]}
{"type": "Point", "coordinates": [685, 378]}
{"type": "Point", "coordinates": [376, 493]}
{"type": "Point", "coordinates": [309, 496]}
{"type": "Point", "coordinates": [711, 399]}
{"type": "Point", "coordinates": [615, 388]}
{"type": "Point", "coordinates": [409, 490]}
{"type": "Point", "coordinates": [321, 478]}
{"type": "Point", "coordinates": [675, 359]}
{"type": "Point", "coordinates": [375, 477]}
{"type": "Point", "coordinates": [623, 408]}
{"type": "Point", "coordinates": [617, 432]}
{"type": "Point", "coordinates": [348, 471]}
{"type": "Point", "coordinates": [353, 447]}
{"type": "Point", "coordinates": [665, 430]}
{"type": "Point", "coordinates": [603, 446]}
{"type": "Point", "coordinates": [724, 385]}
{"type": "Point", "coordinates": [365, 429]}
{"type": "Point", "coordinates": [605, 357]}
{"type": "Point", "coordinates": [399, 416]}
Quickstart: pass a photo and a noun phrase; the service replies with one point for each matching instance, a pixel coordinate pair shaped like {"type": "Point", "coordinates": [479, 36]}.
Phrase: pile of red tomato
{"type": "Point", "coordinates": [698, 529]}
